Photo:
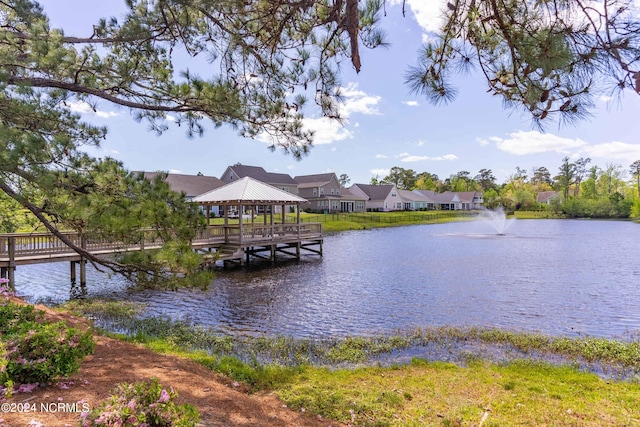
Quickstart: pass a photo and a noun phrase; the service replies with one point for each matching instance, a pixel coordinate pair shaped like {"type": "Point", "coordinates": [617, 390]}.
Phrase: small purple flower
{"type": "Point", "coordinates": [164, 396]}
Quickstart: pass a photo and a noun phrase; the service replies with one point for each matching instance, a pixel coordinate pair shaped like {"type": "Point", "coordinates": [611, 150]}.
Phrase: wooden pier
{"type": "Point", "coordinates": [227, 243]}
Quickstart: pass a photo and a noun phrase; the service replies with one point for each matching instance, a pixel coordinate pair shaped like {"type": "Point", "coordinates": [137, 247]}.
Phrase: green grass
{"type": "Point", "coordinates": [336, 222]}
{"type": "Point", "coordinates": [538, 215]}
{"type": "Point", "coordinates": [310, 374]}
{"type": "Point", "coordinates": [441, 394]}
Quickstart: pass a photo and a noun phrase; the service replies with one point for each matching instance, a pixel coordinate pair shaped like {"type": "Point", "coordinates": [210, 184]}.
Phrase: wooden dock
{"type": "Point", "coordinates": [227, 243]}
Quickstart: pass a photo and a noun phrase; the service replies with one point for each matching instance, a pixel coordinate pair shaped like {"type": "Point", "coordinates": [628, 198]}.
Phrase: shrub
{"type": "Point", "coordinates": [14, 316]}
{"type": "Point", "coordinates": [143, 404]}
{"type": "Point", "coordinates": [39, 353]}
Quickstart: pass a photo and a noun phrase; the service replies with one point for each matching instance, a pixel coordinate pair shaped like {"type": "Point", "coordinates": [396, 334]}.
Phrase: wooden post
{"type": "Point", "coordinates": [298, 221]}
{"type": "Point", "coordinates": [12, 263]}
{"type": "Point", "coordinates": [72, 265]}
{"type": "Point", "coordinates": [83, 262]}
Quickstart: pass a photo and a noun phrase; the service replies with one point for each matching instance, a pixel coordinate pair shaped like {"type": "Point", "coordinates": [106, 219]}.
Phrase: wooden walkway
{"type": "Point", "coordinates": [227, 243]}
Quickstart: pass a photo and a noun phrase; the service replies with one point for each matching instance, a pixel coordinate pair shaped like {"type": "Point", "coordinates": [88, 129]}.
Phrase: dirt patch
{"type": "Point", "coordinates": [219, 400]}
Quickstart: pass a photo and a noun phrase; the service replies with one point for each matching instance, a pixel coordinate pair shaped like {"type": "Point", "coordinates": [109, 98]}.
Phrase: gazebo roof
{"type": "Point", "coordinates": [247, 191]}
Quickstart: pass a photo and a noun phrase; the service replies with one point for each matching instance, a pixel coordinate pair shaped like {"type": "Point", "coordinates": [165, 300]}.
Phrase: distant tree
{"type": "Point", "coordinates": [404, 179]}
{"type": "Point", "coordinates": [463, 178]}
{"type": "Point", "coordinates": [547, 58]}
{"type": "Point", "coordinates": [611, 179]}
{"type": "Point", "coordinates": [589, 186]}
{"type": "Point", "coordinates": [426, 181]}
{"type": "Point", "coordinates": [541, 177]}
{"type": "Point", "coordinates": [485, 179]}
{"type": "Point", "coordinates": [634, 169]}
{"type": "Point", "coordinates": [566, 177]}
{"type": "Point", "coordinates": [344, 180]}
{"type": "Point", "coordinates": [491, 198]}
{"type": "Point", "coordinates": [375, 180]}
{"type": "Point", "coordinates": [580, 171]}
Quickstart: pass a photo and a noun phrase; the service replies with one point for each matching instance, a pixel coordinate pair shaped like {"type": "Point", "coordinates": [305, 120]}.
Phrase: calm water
{"type": "Point", "coordinates": [564, 277]}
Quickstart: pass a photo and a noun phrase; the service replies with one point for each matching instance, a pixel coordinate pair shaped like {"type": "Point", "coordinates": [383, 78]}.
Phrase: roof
{"type": "Point", "coordinates": [446, 197]}
{"type": "Point", "coordinates": [317, 180]}
{"type": "Point", "coordinates": [545, 196]}
{"type": "Point", "coordinates": [246, 191]}
{"type": "Point", "coordinates": [375, 192]}
{"type": "Point", "coordinates": [256, 172]}
{"type": "Point", "coordinates": [346, 193]}
{"type": "Point", "coordinates": [191, 185]}
{"type": "Point", "coordinates": [468, 196]}
{"type": "Point", "coordinates": [410, 196]}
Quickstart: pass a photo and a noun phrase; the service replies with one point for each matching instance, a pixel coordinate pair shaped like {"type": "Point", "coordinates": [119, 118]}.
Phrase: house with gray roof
{"type": "Point", "coordinates": [282, 181]}
{"type": "Point", "coordinates": [383, 198]}
{"type": "Point", "coordinates": [190, 185]}
{"type": "Point", "coordinates": [447, 201]}
{"type": "Point", "coordinates": [470, 199]}
{"type": "Point", "coordinates": [413, 201]}
{"type": "Point", "coordinates": [547, 197]}
{"type": "Point", "coordinates": [324, 194]}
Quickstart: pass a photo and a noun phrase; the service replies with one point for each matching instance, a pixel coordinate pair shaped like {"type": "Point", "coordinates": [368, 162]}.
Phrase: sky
{"type": "Point", "coordinates": [386, 125]}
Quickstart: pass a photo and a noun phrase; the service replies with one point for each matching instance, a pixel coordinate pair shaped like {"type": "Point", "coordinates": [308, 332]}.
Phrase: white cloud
{"type": "Point", "coordinates": [615, 150]}
{"type": "Point", "coordinates": [170, 118]}
{"type": "Point", "coordinates": [327, 131]}
{"type": "Point", "coordinates": [411, 103]}
{"type": "Point", "coordinates": [380, 172]}
{"type": "Point", "coordinates": [428, 14]}
{"type": "Point", "coordinates": [175, 171]}
{"type": "Point", "coordinates": [357, 101]}
{"type": "Point", "coordinates": [420, 143]}
{"type": "Point", "coordinates": [482, 141]}
{"type": "Point", "coordinates": [521, 143]}
{"type": "Point", "coordinates": [402, 155]}
{"type": "Point", "coordinates": [84, 108]}
{"type": "Point", "coordinates": [409, 158]}
{"type": "Point", "coordinates": [381, 156]}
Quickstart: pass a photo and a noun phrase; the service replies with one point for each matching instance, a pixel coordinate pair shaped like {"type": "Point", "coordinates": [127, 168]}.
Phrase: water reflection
{"type": "Point", "coordinates": [557, 277]}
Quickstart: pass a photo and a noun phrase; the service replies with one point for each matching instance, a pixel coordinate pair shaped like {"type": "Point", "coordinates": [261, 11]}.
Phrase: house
{"type": "Point", "coordinates": [379, 197]}
{"type": "Point", "coordinates": [190, 185]}
{"type": "Point", "coordinates": [447, 201]}
{"type": "Point", "coordinates": [546, 197]}
{"type": "Point", "coordinates": [281, 181]}
{"type": "Point", "coordinates": [324, 194]}
{"type": "Point", "coordinates": [413, 201]}
{"type": "Point", "coordinates": [470, 199]}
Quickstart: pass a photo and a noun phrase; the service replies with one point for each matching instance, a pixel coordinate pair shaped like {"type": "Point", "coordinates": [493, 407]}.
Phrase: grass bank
{"type": "Point", "coordinates": [344, 379]}
{"type": "Point", "coordinates": [335, 222]}
{"type": "Point", "coordinates": [539, 215]}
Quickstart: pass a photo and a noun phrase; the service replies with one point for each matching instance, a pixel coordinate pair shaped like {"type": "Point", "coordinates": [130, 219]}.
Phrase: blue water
{"type": "Point", "coordinates": [560, 277]}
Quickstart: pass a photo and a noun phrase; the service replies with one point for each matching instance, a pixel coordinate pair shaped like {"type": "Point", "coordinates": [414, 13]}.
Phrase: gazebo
{"type": "Point", "coordinates": [249, 196]}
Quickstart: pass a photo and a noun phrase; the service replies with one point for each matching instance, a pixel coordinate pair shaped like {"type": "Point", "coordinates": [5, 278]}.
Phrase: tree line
{"type": "Point", "coordinates": [584, 189]}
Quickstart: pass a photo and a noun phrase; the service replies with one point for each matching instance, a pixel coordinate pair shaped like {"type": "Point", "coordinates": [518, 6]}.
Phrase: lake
{"type": "Point", "coordinates": [559, 277]}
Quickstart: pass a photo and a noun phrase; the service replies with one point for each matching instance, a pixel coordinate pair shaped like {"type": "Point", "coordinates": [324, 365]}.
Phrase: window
{"type": "Point", "coordinates": [321, 191]}
{"type": "Point", "coordinates": [332, 191]}
{"type": "Point", "coordinates": [315, 191]}
{"type": "Point", "coordinates": [393, 194]}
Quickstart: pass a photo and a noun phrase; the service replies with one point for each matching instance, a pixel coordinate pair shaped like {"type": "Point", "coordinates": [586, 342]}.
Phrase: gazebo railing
{"type": "Point", "coordinates": [253, 232]}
